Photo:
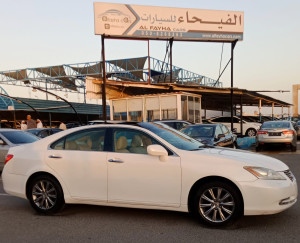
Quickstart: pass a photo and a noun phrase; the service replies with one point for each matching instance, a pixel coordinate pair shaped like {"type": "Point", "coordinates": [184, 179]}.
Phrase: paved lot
{"type": "Point", "coordinates": [81, 223]}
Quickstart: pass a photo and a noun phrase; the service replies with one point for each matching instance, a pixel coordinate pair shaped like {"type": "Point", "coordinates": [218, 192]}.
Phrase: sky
{"type": "Point", "coordinates": [37, 33]}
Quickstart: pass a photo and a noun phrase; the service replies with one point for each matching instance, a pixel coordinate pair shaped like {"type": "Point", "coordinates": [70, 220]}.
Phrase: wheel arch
{"type": "Point", "coordinates": [39, 173]}
{"type": "Point", "coordinates": [208, 179]}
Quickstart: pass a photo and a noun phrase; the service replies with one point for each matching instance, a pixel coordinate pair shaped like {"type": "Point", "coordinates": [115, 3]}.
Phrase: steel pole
{"type": "Point", "coordinates": [149, 71]}
{"type": "Point", "coordinates": [171, 60]}
{"type": "Point", "coordinates": [103, 80]}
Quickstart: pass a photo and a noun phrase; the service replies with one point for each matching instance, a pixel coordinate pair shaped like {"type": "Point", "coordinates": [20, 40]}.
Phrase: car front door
{"type": "Point", "coordinates": [135, 177]}
{"type": "Point", "coordinates": [80, 161]}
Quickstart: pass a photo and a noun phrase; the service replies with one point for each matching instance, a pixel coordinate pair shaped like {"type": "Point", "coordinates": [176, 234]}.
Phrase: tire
{"type": "Point", "coordinates": [251, 132]}
{"type": "Point", "coordinates": [217, 204]}
{"type": "Point", "coordinates": [45, 195]}
{"type": "Point", "coordinates": [293, 148]}
{"type": "Point", "coordinates": [258, 148]}
{"type": "Point", "coordinates": [234, 145]}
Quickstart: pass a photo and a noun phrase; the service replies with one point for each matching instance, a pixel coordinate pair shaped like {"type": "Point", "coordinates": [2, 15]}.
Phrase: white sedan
{"type": "Point", "coordinates": [147, 166]}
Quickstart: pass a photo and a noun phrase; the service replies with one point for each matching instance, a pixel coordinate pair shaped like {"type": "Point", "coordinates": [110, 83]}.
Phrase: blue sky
{"type": "Point", "coordinates": [43, 33]}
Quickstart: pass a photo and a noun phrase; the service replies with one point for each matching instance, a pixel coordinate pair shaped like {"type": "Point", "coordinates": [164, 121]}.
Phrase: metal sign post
{"type": "Point", "coordinates": [104, 115]}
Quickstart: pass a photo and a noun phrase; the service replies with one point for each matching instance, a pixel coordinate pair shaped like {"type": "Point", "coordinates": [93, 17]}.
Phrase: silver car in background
{"type": "Point", "coordinates": [276, 132]}
{"type": "Point", "coordinates": [10, 138]}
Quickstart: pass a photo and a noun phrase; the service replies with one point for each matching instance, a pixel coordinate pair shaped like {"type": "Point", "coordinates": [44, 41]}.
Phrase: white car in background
{"type": "Point", "coordinates": [249, 128]}
{"type": "Point", "coordinates": [148, 166]}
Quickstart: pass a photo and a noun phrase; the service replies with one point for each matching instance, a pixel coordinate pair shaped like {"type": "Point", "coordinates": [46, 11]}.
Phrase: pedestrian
{"type": "Point", "coordinates": [30, 123]}
{"type": "Point", "coordinates": [23, 125]}
{"type": "Point", "coordinates": [62, 126]}
{"type": "Point", "coordinates": [39, 124]}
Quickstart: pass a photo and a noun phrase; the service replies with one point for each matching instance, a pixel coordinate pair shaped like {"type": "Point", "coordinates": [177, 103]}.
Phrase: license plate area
{"type": "Point", "coordinates": [274, 133]}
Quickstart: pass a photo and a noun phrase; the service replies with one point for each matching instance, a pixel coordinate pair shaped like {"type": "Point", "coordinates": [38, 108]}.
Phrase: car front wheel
{"type": "Point", "coordinates": [217, 204]}
{"type": "Point", "coordinates": [45, 195]}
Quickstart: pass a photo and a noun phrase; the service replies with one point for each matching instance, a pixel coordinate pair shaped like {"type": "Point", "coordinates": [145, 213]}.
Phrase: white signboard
{"type": "Point", "coordinates": [137, 21]}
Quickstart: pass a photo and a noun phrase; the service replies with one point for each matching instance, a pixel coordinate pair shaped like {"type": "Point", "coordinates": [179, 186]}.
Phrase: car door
{"type": "Point", "coordinates": [221, 141]}
{"type": "Point", "coordinates": [228, 140]}
{"type": "Point", "coordinates": [138, 178]}
{"type": "Point", "coordinates": [80, 160]}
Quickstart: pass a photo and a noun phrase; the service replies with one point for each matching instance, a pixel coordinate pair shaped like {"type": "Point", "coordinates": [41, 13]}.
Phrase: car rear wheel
{"type": "Point", "coordinates": [217, 204]}
{"type": "Point", "coordinates": [251, 132]}
{"type": "Point", "coordinates": [45, 195]}
{"type": "Point", "coordinates": [293, 148]}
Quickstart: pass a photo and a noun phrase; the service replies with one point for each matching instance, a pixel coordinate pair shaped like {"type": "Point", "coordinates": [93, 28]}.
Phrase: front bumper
{"type": "Point", "coordinates": [268, 196]}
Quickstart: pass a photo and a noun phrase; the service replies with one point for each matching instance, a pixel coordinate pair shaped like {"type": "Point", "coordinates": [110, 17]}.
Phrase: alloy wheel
{"type": "Point", "coordinates": [44, 194]}
{"type": "Point", "coordinates": [216, 205]}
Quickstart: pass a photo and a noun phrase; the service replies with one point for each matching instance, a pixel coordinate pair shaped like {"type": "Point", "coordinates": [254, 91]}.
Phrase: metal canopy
{"type": "Point", "coordinates": [212, 98]}
{"type": "Point", "coordinates": [71, 77]}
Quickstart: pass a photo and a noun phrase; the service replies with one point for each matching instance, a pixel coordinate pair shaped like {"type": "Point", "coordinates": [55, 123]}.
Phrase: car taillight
{"type": "Point", "coordinates": [262, 132]}
{"type": "Point", "coordinates": [288, 132]}
{"type": "Point", "coordinates": [8, 158]}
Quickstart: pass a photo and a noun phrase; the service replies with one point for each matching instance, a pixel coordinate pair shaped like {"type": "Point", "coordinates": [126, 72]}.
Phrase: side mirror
{"type": "Point", "coordinates": [158, 150]}
{"type": "Point", "coordinates": [2, 142]}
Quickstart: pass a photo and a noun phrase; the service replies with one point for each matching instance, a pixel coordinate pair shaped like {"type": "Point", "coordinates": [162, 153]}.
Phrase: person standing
{"type": "Point", "coordinates": [23, 125]}
{"type": "Point", "coordinates": [30, 123]}
{"type": "Point", "coordinates": [39, 124]}
{"type": "Point", "coordinates": [62, 126]}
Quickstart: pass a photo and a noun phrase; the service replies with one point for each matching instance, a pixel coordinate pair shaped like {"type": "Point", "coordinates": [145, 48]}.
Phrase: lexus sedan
{"type": "Point", "coordinates": [212, 134]}
{"type": "Point", "coordinates": [10, 138]}
{"type": "Point", "coordinates": [277, 132]}
{"type": "Point", "coordinates": [150, 166]}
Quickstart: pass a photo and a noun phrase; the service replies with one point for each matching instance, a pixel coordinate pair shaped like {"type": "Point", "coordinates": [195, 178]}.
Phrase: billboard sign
{"type": "Point", "coordinates": [138, 21]}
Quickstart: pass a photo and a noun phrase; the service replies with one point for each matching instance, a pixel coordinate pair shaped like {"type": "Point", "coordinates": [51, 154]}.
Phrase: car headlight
{"type": "Point", "coordinates": [264, 173]}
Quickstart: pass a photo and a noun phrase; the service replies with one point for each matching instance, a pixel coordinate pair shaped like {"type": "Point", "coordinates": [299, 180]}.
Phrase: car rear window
{"type": "Point", "coordinates": [275, 125]}
{"type": "Point", "coordinates": [19, 137]}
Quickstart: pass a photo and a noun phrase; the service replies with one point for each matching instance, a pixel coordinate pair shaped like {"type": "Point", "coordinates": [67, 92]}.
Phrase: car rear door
{"type": "Point", "coordinates": [80, 160]}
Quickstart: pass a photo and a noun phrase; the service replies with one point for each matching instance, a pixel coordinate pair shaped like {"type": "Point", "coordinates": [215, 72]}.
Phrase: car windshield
{"type": "Point", "coordinates": [19, 137]}
{"type": "Point", "coordinates": [172, 136]}
{"type": "Point", "coordinates": [275, 125]}
{"type": "Point", "coordinates": [199, 131]}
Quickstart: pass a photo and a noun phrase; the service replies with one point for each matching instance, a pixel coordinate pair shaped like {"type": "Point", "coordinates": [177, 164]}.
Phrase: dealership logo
{"type": "Point", "coordinates": [114, 16]}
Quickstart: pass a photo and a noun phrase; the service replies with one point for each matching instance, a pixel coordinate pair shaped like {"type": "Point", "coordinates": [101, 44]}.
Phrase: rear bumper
{"type": "Point", "coordinates": [275, 140]}
{"type": "Point", "coordinates": [268, 196]}
{"type": "Point", "coordinates": [14, 184]}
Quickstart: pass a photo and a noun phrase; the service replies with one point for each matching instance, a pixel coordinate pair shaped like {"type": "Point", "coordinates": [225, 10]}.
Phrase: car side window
{"type": "Point", "coordinates": [219, 119]}
{"type": "Point", "coordinates": [87, 140]}
{"type": "Point", "coordinates": [225, 129]}
{"type": "Point", "coordinates": [131, 141]}
{"type": "Point", "coordinates": [236, 120]}
{"type": "Point", "coordinates": [218, 131]}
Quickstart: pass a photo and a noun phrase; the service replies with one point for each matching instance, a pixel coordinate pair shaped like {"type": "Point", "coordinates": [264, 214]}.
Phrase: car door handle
{"type": "Point", "coordinates": [54, 157]}
{"type": "Point", "coordinates": [116, 160]}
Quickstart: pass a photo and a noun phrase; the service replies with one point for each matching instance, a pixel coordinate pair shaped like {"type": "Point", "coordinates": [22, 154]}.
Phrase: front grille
{"type": "Point", "coordinates": [289, 174]}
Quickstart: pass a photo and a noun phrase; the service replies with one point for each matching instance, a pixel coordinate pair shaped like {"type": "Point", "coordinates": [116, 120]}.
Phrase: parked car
{"type": "Point", "coordinates": [44, 132]}
{"type": "Point", "coordinates": [277, 132]}
{"type": "Point", "coordinates": [10, 138]}
{"type": "Point", "coordinates": [212, 134]}
{"type": "Point", "coordinates": [249, 128]}
{"type": "Point", "coordinates": [149, 166]}
{"type": "Point", "coordinates": [176, 124]}
{"type": "Point", "coordinates": [298, 131]}
{"type": "Point", "coordinates": [10, 124]}
{"type": "Point", "coordinates": [72, 125]}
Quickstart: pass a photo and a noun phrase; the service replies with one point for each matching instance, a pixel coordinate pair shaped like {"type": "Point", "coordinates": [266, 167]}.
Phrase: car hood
{"type": "Point", "coordinates": [247, 158]}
